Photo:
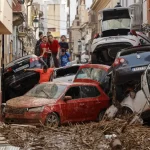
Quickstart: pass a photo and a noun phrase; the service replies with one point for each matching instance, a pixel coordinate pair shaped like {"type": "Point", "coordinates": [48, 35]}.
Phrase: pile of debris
{"type": "Point", "coordinates": [106, 135]}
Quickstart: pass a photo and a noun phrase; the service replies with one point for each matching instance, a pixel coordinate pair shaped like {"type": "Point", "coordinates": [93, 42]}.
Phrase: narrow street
{"type": "Point", "coordinates": [75, 75]}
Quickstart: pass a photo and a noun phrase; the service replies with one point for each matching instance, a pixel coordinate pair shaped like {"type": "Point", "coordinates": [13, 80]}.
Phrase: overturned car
{"type": "Point", "coordinates": [116, 25]}
{"type": "Point", "coordinates": [137, 102]}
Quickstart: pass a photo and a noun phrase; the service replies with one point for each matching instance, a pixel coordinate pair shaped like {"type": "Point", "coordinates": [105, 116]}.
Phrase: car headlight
{"type": "Point", "coordinates": [36, 109]}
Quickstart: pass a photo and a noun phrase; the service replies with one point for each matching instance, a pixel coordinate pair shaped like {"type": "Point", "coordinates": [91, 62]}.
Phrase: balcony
{"type": "Point", "coordinates": [5, 17]}
{"type": "Point", "coordinates": [18, 14]}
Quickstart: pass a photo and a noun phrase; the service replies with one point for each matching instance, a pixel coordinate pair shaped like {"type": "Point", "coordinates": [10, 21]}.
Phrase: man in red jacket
{"type": "Point", "coordinates": [54, 48]}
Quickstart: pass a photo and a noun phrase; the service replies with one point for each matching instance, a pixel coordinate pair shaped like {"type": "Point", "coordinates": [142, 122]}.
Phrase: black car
{"type": "Point", "coordinates": [130, 63]}
{"type": "Point", "coordinates": [16, 81]}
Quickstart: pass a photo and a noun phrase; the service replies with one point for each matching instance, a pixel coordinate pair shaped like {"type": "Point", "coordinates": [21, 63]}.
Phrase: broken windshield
{"type": "Point", "coordinates": [50, 91]}
{"type": "Point", "coordinates": [123, 23]}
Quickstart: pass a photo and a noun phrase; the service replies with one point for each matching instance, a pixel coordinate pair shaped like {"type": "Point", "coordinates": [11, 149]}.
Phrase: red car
{"type": "Point", "coordinates": [94, 72]}
{"type": "Point", "coordinates": [58, 103]}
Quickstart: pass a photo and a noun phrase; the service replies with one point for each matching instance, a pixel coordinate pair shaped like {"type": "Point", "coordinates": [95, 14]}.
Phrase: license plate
{"type": "Point", "coordinates": [139, 68]}
{"type": "Point", "coordinates": [21, 68]}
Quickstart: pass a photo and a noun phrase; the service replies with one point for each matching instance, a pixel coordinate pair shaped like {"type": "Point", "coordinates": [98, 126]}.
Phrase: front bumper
{"type": "Point", "coordinates": [26, 118]}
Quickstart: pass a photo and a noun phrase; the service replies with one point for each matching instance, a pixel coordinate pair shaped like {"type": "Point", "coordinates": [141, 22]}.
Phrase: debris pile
{"type": "Point", "coordinates": [106, 135]}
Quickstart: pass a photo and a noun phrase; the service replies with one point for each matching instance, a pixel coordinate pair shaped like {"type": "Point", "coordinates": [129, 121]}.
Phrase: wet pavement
{"type": "Point", "coordinates": [91, 136]}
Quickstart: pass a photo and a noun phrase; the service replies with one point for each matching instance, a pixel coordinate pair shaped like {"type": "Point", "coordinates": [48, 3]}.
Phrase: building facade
{"type": "Point", "coordinates": [5, 32]}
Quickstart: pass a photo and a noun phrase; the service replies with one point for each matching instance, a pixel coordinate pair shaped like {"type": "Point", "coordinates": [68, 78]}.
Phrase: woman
{"type": "Point", "coordinates": [54, 48]}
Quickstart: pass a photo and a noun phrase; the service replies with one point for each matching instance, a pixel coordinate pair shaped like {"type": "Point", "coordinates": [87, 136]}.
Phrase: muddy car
{"type": "Point", "coordinates": [137, 102]}
{"type": "Point", "coordinates": [16, 81]}
{"type": "Point", "coordinates": [116, 35]}
{"type": "Point", "coordinates": [54, 104]}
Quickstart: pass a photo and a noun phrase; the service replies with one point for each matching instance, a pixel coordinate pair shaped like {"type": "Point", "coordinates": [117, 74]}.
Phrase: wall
{"type": "Point", "coordinates": [53, 15]}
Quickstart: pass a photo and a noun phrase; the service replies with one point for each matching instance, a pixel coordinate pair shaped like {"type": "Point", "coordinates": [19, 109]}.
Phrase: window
{"type": "Point", "coordinates": [78, 23]}
{"type": "Point", "coordinates": [89, 91]}
{"type": "Point", "coordinates": [92, 73]}
{"type": "Point", "coordinates": [74, 92]}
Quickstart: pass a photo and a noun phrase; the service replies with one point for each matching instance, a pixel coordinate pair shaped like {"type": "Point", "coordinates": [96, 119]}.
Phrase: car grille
{"type": "Point", "coordinates": [11, 110]}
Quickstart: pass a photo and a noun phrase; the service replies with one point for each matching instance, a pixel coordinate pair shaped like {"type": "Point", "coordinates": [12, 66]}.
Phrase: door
{"type": "Point", "coordinates": [90, 102]}
{"type": "Point", "coordinates": [146, 83]}
{"type": "Point", "coordinates": [74, 112]}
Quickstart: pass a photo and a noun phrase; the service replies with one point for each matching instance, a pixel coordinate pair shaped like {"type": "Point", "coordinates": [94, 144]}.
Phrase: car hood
{"type": "Point", "coordinates": [29, 102]}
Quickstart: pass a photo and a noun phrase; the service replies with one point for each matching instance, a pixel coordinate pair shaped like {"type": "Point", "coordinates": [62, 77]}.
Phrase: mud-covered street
{"type": "Point", "coordinates": [92, 136]}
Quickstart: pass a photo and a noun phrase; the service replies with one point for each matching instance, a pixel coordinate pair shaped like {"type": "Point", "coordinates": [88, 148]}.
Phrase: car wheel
{"type": "Point", "coordinates": [126, 111]}
{"type": "Point", "coordinates": [52, 120]}
{"type": "Point", "coordinates": [101, 115]}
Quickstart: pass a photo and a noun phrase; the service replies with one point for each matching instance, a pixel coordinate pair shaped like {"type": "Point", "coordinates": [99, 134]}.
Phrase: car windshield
{"type": "Point", "coordinates": [92, 73]}
{"type": "Point", "coordinates": [116, 24]}
{"type": "Point", "coordinates": [49, 91]}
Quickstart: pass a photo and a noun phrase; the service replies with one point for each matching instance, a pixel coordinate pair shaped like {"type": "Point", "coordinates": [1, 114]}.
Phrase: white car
{"type": "Point", "coordinates": [116, 25]}
{"type": "Point", "coordinates": [139, 102]}
{"type": "Point", "coordinates": [66, 74]}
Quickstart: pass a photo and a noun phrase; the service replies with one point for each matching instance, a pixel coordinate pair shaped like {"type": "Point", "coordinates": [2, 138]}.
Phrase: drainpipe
{"type": "Point", "coordinates": [2, 71]}
{"type": "Point", "coordinates": [27, 10]}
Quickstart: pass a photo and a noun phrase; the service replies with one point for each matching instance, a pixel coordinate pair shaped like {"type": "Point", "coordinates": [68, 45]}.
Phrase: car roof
{"type": "Point", "coordinates": [19, 59]}
{"type": "Point", "coordinates": [69, 84]}
{"type": "Point", "coordinates": [134, 48]}
{"type": "Point", "coordinates": [104, 67]}
{"type": "Point", "coordinates": [75, 65]}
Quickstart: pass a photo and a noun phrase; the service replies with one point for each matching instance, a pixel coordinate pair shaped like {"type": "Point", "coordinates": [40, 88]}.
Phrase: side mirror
{"type": "Point", "coordinates": [67, 98]}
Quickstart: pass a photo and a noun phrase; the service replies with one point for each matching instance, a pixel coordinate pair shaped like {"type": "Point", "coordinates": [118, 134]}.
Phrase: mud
{"type": "Point", "coordinates": [90, 136]}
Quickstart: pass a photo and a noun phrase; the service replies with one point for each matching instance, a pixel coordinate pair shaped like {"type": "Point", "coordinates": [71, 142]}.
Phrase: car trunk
{"type": "Point", "coordinates": [137, 59]}
{"type": "Point", "coordinates": [106, 53]}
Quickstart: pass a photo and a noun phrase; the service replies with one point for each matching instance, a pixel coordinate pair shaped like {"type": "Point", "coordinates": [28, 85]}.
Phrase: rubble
{"type": "Point", "coordinates": [106, 135]}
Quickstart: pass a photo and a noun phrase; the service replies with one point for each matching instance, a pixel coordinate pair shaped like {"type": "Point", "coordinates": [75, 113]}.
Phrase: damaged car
{"type": "Point", "coordinates": [16, 81]}
{"type": "Point", "coordinates": [94, 72]}
{"type": "Point", "coordinates": [53, 104]}
{"type": "Point", "coordinates": [66, 74]}
{"type": "Point", "coordinates": [116, 25]}
{"type": "Point", "coordinates": [127, 69]}
{"type": "Point", "coordinates": [137, 102]}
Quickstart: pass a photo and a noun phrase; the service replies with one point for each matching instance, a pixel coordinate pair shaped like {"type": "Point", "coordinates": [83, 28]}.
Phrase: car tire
{"type": "Point", "coordinates": [101, 115]}
{"type": "Point", "coordinates": [126, 111]}
{"type": "Point", "coordinates": [52, 120]}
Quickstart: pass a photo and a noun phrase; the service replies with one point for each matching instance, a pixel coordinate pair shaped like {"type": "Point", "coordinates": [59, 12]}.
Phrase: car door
{"type": "Point", "coordinates": [90, 101]}
{"type": "Point", "coordinates": [74, 111]}
{"type": "Point", "coordinates": [146, 83]}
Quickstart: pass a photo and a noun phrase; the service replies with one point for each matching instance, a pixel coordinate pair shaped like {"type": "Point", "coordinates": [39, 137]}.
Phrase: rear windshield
{"type": "Point", "coordinates": [66, 71]}
{"type": "Point", "coordinates": [116, 14]}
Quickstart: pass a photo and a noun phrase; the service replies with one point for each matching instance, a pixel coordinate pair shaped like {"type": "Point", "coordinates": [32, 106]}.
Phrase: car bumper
{"type": "Point", "coordinates": [123, 75]}
{"type": "Point", "coordinates": [26, 118]}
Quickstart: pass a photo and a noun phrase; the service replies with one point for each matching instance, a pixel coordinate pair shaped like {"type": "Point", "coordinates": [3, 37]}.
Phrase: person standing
{"type": "Point", "coordinates": [46, 74]}
{"type": "Point", "coordinates": [37, 46]}
{"type": "Point", "coordinates": [63, 44]}
{"type": "Point", "coordinates": [44, 51]}
{"type": "Point", "coordinates": [54, 48]}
